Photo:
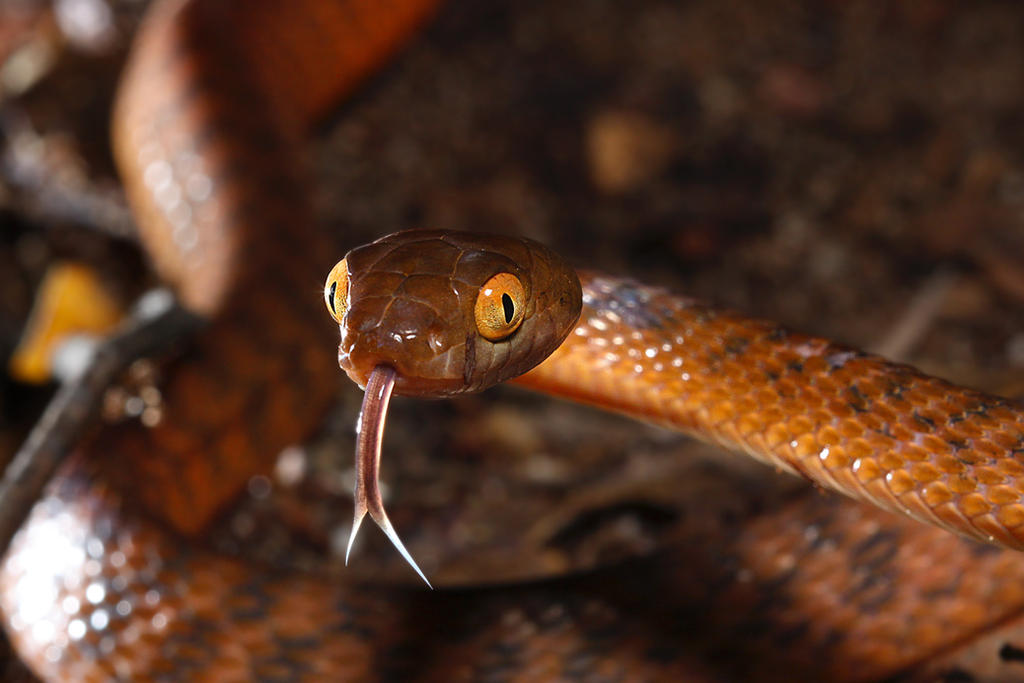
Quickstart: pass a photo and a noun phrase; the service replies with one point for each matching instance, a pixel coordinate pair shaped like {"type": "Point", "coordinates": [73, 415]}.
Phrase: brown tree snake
{"type": "Point", "coordinates": [102, 584]}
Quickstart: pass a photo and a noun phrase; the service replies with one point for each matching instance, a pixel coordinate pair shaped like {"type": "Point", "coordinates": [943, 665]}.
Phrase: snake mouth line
{"type": "Point", "coordinates": [369, 434]}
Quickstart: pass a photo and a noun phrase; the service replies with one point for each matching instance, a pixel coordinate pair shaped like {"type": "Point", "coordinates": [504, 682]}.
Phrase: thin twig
{"type": "Point", "coordinates": [156, 324]}
{"type": "Point", "coordinates": [919, 316]}
{"type": "Point", "coordinates": [53, 190]}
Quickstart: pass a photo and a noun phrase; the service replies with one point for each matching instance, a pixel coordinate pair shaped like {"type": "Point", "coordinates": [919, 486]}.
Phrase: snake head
{"type": "Point", "coordinates": [429, 313]}
{"type": "Point", "coordinates": [450, 312]}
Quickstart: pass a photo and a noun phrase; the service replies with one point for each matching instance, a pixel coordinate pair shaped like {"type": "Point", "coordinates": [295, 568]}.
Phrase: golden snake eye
{"type": "Point", "coordinates": [336, 290]}
{"type": "Point", "coordinates": [499, 306]}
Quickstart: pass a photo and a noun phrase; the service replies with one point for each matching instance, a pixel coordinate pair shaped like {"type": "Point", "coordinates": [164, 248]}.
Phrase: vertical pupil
{"type": "Point", "coordinates": [509, 307]}
{"type": "Point", "coordinates": [330, 300]}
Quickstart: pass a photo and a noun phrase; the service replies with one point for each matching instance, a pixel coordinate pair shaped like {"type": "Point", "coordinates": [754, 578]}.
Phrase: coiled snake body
{"type": "Point", "coordinates": [100, 584]}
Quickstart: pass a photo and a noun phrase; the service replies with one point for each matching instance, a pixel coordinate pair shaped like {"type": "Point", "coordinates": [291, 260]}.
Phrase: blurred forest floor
{"type": "Point", "coordinates": [853, 169]}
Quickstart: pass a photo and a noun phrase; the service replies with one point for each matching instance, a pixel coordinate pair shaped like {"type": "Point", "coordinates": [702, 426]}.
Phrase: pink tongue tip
{"type": "Point", "coordinates": [369, 434]}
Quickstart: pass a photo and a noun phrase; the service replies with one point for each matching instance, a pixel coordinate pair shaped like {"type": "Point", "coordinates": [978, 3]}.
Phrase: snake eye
{"type": "Point", "coordinates": [336, 290]}
{"type": "Point", "coordinates": [499, 306]}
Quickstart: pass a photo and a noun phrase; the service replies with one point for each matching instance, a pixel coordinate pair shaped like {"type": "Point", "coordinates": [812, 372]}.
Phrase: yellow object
{"type": "Point", "coordinates": [499, 306]}
{"type": "Point", "coordinates": [71, 301]}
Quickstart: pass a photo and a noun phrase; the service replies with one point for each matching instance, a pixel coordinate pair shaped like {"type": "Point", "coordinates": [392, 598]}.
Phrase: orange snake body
{"type": "Point", "coordinates": [102, 584]}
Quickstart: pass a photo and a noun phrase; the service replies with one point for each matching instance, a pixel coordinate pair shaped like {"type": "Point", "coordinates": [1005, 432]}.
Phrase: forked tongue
{"type": "Point", "coordinates": [369, 434]}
